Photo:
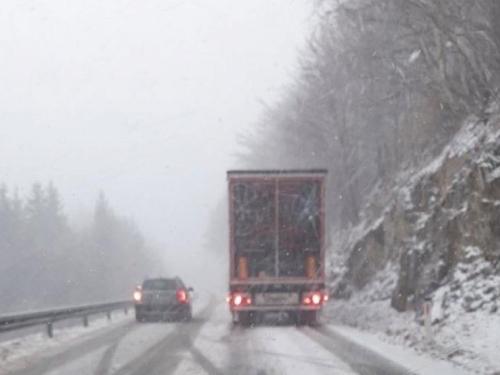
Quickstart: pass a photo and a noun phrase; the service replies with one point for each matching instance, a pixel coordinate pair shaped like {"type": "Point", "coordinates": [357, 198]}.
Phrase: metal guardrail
{"type": "Point", "coordinates": [49, 317]}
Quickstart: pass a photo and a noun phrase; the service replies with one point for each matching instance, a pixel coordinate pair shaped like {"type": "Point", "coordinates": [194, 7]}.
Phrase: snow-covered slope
{"type": "Point", "coordinates": [439, 237]}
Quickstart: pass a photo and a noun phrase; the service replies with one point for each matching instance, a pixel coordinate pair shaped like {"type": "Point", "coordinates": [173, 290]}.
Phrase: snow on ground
{"type": "Point", "coordinates": [214, 338]}
{"type": "Point", "coordinates": [465, 327]}
{"type": "Point", "coordinates": [285, 350]}
{"type": "Point", "coordinates": [14, 351]}
{"type": "Point", "coordinates": [86, 365]}
{"type": "Point", "coordinates": [268, 349]}
{"type": "Point", "coordinates": [417, 363]}
{"type": "Point", "coordinates": [137, 341]}
{"type": "Point", "coordinates": [188, 365]}
{"type": "Point", "coordinates": [32, 344]}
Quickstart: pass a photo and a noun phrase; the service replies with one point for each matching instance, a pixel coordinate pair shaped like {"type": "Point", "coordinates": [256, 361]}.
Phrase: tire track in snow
{"type": "Point", "coordinates": [204, 362]}
{"type": "Point", "coordinates": [165, 356]}
{"type": "Point", "coordinates": [284, 350]}
{"type": "Point", "coordinates": [105, 363]}
{"type": "Point", "coordinates": [44, 363]}
{"type": "Point", "coordinates": [361, 359]}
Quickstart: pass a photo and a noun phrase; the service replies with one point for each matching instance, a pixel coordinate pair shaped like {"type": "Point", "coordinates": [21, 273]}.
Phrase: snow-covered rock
{"type": "Point", "coordinates": [438, 238]}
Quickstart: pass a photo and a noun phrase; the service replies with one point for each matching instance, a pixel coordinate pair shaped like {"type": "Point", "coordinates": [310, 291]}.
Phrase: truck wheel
{"type": "Point", "coordinates": [300, 318]}
{"type": "Point", "coordinates": [235, 318]}
{"type": "Point", "coordinates": [247, 318]}
{"type": "Point", "coordinates": [312, 318]}
{"type": "Point", "coordinates": [244, 318]}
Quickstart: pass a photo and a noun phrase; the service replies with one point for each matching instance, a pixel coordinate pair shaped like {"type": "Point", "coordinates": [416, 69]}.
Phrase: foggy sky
{"type": "Point", "coordinates": [142, 99]}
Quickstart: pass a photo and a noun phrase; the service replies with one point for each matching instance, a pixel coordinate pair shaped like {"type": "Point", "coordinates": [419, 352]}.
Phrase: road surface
{"type": "Point", "coordinates": [209, 344]}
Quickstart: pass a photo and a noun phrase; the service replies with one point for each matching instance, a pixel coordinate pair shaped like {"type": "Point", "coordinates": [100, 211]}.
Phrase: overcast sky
{"type": "Point", "coordinates": [142, 99]}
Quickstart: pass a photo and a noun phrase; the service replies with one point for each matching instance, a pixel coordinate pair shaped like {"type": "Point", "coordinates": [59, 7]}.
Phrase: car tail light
{"type": "Point", "coordinates": [182, 296]}
{"type": "Point", "coordinates": [138, 295]}
{"type": "Point", "coordinates": [240, 299]}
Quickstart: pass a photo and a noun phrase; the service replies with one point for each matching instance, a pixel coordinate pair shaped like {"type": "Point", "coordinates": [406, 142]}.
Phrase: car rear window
{"type": "Point", "coordinates": [159, 285]}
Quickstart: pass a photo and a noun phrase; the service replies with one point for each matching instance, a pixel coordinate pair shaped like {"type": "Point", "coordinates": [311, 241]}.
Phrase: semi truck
{"type": "Point", "coordinates": [277, 244]}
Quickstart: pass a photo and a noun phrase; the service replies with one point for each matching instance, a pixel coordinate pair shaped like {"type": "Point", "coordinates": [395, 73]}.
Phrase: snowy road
{"type": "Point", "coordinates": [207, 345]}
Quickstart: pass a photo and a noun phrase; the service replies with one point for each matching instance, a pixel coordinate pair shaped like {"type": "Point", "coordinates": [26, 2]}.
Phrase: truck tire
{"type": "Point", "coordinates": [235, 319]}
{"type": "Point", "coordinates": [309, 318]}
{"type": "Point", "coordinates": [299, 317]}
{"type": "Point", "coordinates": [244, 318]}
{"type": "Point", "coordinates": [247, 318]}
{"type": "Point", "coordinates": [312, 318]}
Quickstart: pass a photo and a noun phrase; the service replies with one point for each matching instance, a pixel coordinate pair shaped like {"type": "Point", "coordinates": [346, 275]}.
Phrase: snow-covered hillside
{"type": "Point", "coordinates": [438, 237]}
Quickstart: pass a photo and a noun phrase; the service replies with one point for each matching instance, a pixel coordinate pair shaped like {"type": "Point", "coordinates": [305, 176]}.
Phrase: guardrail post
{"type": "Point", "coordinates": [85, 321]}
{"type": "Point", "coordinates": [50, 331]}
{"type": "Point", "coordinates": [126, 311]}
{"type": "Point", "coordinates": [428, 320]}
{"type": "Point", "coordinates": [108, 314]}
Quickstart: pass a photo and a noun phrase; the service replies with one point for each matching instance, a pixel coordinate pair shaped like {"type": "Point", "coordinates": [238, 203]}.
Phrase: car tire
{"type": "Point", "coordinates": [139, 316]}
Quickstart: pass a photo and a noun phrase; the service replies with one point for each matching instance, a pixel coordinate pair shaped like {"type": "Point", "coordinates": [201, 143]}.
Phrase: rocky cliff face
{"type": "Point", "coordinates": [440, 232]}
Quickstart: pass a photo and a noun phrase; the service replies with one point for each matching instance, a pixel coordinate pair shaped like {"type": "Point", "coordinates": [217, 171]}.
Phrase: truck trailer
{"type": "Point", "coordinates": [277, 244]}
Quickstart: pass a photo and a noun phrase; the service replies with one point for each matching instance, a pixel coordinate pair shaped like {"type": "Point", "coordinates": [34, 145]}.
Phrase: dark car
{"type": "Point", "coordinates": [162, 298]}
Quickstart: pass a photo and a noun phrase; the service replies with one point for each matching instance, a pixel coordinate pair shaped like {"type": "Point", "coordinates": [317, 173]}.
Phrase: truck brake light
{"type": "Point", "coordinates": [240, 299]}
{"type": "Point", "coordinates": [314, 298]}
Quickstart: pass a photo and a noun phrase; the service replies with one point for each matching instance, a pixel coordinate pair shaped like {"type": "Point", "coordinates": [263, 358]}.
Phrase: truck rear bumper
{"type": "Point", "coordinates": [277, 281]}
{"type": "Point", "coordinates": [275, 308]}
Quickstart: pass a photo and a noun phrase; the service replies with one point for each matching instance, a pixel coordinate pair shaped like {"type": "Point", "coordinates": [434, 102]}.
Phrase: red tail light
{"type": "Point", "coordinates": [138, 295]}
{"type": "Point", "coordinates": [314, 298]}
{"type": "Point", "coordinates": [182, 296]}
{"type": "Point", "coordinates": [240, 299]}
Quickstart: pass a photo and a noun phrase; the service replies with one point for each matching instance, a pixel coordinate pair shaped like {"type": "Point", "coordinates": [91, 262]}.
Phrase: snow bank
{"type": "Point", "coordinates": [29, 345]}
{"type": "Point", "coordinates": [465, 327]}
{"type": "Point", "coordinates": [417, 363]}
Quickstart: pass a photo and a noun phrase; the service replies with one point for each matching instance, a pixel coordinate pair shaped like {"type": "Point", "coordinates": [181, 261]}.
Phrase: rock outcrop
{"type": "Point", "coordinates": [442, 228]}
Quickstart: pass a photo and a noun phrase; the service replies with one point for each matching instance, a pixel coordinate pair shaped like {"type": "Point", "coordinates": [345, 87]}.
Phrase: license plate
{"type": "Point", "coordinates": [159, 299]}
{"type": "Point", "coordinates": [278, 299]}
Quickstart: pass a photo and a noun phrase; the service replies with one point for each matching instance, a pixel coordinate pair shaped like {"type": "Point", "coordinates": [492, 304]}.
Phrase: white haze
{"type": "Point", "coordinates": [142, 99]}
